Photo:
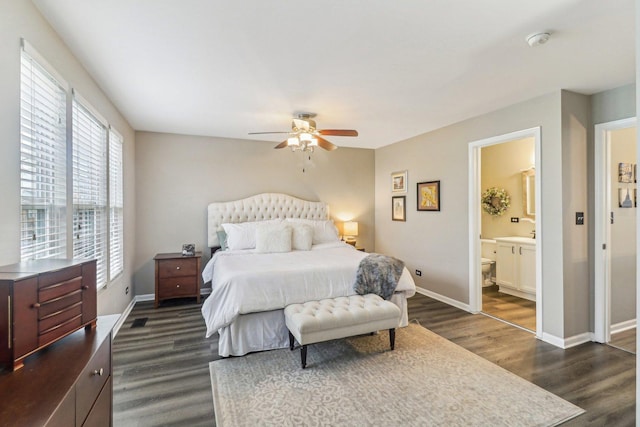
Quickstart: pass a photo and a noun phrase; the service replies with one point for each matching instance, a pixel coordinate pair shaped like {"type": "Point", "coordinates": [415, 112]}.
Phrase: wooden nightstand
{"type": "Point", "coordinates": [360, 249]}
{"type": "Point", "coordinates": [177, 276]}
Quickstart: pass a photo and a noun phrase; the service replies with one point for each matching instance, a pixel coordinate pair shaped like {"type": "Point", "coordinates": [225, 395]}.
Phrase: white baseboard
{"type": "Point", "coordinates": [145, 297]}
{"type": "Point", "coordinates": [123, 317]}
{"type": "Point", "coordinates": [565, 343]}
{"type": "Point", "coordinates": [623, 326]}
{"type": "Point", "coordinates": [442, 298]}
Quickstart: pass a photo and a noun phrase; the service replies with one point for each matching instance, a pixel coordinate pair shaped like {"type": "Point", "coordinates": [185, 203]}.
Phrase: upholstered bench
{"type": "Point", "coordinates": [334, 318]}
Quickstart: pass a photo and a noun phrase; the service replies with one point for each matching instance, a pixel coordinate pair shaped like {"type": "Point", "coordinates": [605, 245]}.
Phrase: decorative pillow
{"type": "Point", "coordinates": [222, 238]}
{"type": "Point", "coordinates": [324, 231]}
{"type": "Point", "coordinates": [242, 235]}
{"type": "Point", "coordinates": [273, 238]}
{"type": "Point", "coordinates": [302, 236]}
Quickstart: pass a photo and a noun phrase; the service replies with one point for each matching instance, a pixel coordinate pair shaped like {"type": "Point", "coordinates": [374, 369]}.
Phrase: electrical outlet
{"type": "Point", "coordinates": [579, 218]}
{"type": "Point", "coordinates": [515, 219]}
{"type": "Point", "coordinates": [126, 290]}
{"type": "Point", "coordinates": [418, 272]}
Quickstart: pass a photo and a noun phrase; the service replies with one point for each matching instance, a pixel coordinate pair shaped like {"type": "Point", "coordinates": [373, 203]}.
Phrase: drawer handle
{"type": "Point", "coordinates": [85, 287]}
{"type": "Point", "coordinates": [98, 372]}
{"type": "Point", "coordinates": [35, 305]}
{"type": "Point", "coordinates": [178, 268]}
{"type": "Point", "coordinates": [178, 285]}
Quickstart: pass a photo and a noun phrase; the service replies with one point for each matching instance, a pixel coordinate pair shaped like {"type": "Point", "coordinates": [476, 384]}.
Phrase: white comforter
{"type": "Point", "coordinates": [246, 282]}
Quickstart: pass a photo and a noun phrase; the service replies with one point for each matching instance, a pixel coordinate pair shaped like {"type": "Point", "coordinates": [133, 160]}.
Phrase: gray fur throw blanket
{"type": "Point", "coordinates": [378, 274]}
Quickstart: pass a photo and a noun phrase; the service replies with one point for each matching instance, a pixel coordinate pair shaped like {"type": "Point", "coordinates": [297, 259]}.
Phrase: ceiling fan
{"type": "Point", "coordinates": [304, 136]}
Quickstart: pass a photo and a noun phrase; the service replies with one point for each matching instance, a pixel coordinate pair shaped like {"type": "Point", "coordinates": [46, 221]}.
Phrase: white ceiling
{"type": "Point", "coordinates": [391, 70]}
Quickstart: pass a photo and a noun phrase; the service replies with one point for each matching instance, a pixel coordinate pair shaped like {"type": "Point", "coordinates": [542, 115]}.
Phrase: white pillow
{"type": "Point", "coordinates": [302, 236]}
{"type": "Point", "coordinates": [273, 238]}
{"type": "Point", "coordinates": [324, 231]}
{"type": "Point", "coordinates": [242, 235]}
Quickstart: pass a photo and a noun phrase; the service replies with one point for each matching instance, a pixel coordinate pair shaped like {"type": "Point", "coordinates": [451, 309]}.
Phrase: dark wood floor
{"type": "Point", "coordinates": [161, 372]}
{"type": "Point", "coordinates": [625, 340]}
{"type": "Point", "coordinates": [518, 311]}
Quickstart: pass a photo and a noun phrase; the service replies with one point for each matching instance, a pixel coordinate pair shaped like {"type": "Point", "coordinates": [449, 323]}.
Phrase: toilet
{"type": "Point", "coordinates": [488, 254]}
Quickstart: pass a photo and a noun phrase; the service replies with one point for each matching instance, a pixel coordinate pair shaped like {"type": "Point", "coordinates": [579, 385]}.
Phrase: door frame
{"type": "Point", "coordinates": [602, 256]}
{"type": "Point", "coordinates": [475, 274]}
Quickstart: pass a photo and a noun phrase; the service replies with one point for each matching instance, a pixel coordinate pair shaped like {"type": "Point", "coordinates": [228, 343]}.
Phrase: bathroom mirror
{"type": "Point", "coordinates": [529, 193]}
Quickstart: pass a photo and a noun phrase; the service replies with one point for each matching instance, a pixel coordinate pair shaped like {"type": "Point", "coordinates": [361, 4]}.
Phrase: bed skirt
{"type": "Point", "coordinates": [267, 330]}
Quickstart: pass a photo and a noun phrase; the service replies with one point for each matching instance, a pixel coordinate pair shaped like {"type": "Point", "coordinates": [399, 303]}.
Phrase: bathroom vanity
{"type": "Point", "coordinates": [516, 266]}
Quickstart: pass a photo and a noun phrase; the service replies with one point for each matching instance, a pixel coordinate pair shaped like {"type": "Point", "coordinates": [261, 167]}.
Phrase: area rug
{"type": "Point", "coordinates": [425, 381]}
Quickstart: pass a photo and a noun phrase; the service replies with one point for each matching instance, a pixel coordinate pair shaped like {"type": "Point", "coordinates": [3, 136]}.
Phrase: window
{"type": "Point", "coordinates": [116, 206]}
{"type": "Point", "coordinates": [90, 211]}
{"type": "Point", "coordinates": [43, 183]}
{"type": "Point", "coordinates": [90, 189]}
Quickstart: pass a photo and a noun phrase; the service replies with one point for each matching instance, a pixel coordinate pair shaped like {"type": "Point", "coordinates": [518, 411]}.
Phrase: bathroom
{"type": "Point", "coordinates": [508, 251]}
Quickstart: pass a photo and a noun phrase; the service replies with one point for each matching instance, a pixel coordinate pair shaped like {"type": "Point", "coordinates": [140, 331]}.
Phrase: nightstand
{"type": "Point", "coordinates": [177, 276]}
{"type": "Point", "coordinates": [360, 249]}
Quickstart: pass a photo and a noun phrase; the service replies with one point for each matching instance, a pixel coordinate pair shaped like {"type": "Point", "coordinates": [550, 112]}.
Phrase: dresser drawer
{"type": "Point", "coordinates": [177, 286]}
{"type": "Point", "coordinates": [60, 330]}
{"type": "Point", "coordinates": [59, 317]}
{"type": "Point", "coordinates": [100, 415]}
{"type": "Point", "coordinates": [57, 304]}
{"type": "Point", "coordinates": [60, 289]}
{"type": "Point", "coordinates": [51, 278]}
{"type": "Point", "coordinates": [177, 267]}
{"type": "Point", "coordinates": [92, 380]}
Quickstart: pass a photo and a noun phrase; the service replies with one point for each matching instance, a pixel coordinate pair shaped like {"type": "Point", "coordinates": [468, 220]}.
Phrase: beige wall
{"type": "Point", "coordinates": [19, 18]}
{"type": "Point", "coordinates": [623, 231]}
{"type": "Point", "coordinates": [577, 135]}
{"type": "Point", "coordinates": [501, 167]}
{"type": "Point", "coordinates": [177, 176]}
{"type": "Point", "coordinates": [437, 242]}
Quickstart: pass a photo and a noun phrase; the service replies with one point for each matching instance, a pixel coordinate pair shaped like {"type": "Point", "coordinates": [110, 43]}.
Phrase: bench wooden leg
{"type": "Point", "coordinates": [290, 341]}
{"type": "Point", "coordinates": [303, 356]}
{"type": "Point", "coordinates": [392, 338]}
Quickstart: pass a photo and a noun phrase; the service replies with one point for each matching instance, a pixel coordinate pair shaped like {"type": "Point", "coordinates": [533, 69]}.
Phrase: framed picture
{"type": "Point", "coordinates": [399, 182]}
{"type": "Point", "coordinates": [625, 172]}
{"type": "Point", "coordinates": [398, 211]}
{"type": "Point", "coordinates": [428, 196]}
{"type": "Point", "coordinates": [188, 249]}
{"type": "Point", "coordinates": [625, 198]}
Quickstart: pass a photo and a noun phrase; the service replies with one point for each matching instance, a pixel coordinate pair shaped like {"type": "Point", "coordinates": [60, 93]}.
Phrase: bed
{"type": "Point", "coordinates": [253, 280]}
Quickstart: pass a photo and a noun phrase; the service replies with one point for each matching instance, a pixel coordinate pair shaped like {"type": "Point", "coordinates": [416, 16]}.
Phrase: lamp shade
{"type": "Point", "coordinates": [350, 228]}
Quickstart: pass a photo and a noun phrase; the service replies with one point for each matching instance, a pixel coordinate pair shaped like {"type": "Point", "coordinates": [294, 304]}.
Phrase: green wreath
{"type": "Point", "coordinates": [495, 201]}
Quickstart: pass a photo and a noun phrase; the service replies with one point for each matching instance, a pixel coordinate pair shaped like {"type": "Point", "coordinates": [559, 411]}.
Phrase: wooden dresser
{"type": "Point", "coordinates": [177, 276]}
{"type": "Point", "coordinates": [42, 301]}
{"type": "Point", "coordinates": [68, 384]}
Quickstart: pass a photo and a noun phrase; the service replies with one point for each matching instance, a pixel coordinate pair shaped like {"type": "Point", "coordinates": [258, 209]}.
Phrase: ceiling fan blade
{"type": "Point", "coordinates": [282, 144]}
{"type": "Point", "coordinates": [339, 132]}
{"type": "Point", "coordinates": [263, 133]}
{"type": "Point", "coordinates": [323, 143]}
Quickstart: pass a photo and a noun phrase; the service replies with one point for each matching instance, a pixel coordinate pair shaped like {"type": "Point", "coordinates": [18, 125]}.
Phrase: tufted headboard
{"type": "Point", "coordinates": [259, 208]}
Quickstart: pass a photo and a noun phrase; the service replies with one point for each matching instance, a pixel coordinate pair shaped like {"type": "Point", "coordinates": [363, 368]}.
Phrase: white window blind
{"type": "Point", "coordinates": [90, 189]}
{"type": "Point", "coordinates": [43, 184]}
{"type": "Point", "coordinates": [116, 206]}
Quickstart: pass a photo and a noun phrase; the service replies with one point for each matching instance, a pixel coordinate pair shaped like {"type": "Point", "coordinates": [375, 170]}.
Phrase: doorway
{"type": "Point", "coordinates": [615, 233]}
{"type": "Point", "coordinates": [517, 282]}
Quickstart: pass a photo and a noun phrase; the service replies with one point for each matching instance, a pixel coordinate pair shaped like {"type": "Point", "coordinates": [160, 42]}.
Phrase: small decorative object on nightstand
{"type": "Point", "coordinates": [177, 276]}
{"type": "Point", "coordinates": [188, 249]}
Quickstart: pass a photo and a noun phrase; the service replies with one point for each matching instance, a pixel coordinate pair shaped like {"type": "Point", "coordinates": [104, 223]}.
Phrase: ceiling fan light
{"type": "Point", "coordinates": [313, 142]}
{"type": "Point", "coordinates": [306, 137]}
{"type": "Point", "coordinates": [293, 142]}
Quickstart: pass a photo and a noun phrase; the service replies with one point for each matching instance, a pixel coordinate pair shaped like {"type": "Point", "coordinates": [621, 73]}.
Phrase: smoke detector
{"type": "Point", "coordinates": [538, 39]}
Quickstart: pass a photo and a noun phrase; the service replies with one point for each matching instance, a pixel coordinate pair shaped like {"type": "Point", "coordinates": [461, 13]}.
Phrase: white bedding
{"type": "Point", "coordinates": [245, 282]}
